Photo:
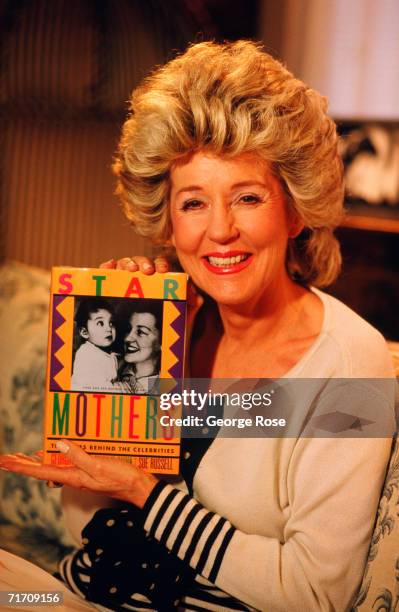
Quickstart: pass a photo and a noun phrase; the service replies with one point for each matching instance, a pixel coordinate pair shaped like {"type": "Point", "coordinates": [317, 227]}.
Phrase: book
{"type": "Point", "coordinates": [116, 340]}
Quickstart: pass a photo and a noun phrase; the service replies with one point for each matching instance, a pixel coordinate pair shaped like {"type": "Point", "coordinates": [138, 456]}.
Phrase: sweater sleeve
{"type": "Point", "coordinates": [196, 535]}
{"type": "Point", "coordinates": [334, 486]}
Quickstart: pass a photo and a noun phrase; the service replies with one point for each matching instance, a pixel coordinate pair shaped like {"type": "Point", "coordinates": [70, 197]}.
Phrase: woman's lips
{"type": "Point", "coordinates": [227, 263]}
{"type": "Point", "coordinates": [131, 348]}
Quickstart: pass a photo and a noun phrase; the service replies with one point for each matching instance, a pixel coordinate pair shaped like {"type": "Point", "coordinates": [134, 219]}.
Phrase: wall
{"type": "Point", "coordinates": [67, 69]}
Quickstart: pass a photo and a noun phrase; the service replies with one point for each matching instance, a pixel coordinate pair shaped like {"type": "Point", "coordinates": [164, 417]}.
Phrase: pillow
{"type": "Point", "coordinates": [24, 298]}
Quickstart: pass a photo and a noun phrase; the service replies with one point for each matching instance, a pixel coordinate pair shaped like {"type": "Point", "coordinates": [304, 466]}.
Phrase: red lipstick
{"type": "Point", "coordinates": [228, 268]}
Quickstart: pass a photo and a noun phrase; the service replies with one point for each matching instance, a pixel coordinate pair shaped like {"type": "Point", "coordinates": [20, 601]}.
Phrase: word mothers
{"type": "Point", "coordinates": [198, 400]}
{"type": "Point", "coordinates": [96, 415]}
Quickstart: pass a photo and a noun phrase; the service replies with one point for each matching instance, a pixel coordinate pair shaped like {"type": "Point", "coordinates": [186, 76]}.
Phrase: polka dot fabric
{"type": "Point", "coordinates": [128, 564]}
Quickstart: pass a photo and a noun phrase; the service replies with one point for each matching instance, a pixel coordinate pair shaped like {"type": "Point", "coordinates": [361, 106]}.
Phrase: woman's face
{"type": "Point", "coordinates": [230, 226]}
{"type": "Point", "coordinates": [142, 342]}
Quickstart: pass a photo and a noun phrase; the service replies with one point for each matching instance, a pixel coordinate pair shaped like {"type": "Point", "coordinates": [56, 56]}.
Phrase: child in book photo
{"type": "Point", "coordinates": [95, 365]}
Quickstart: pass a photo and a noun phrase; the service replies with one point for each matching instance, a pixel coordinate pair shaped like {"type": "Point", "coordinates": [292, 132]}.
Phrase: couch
{"type": "Point", "coordinates": [31, 521]}
{"type": "Point", "coordinates": [32, 524]}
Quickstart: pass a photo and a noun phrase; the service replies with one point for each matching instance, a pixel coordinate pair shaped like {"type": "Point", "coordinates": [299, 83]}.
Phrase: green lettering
{"type": "Point", "coordinates": [170, 287]}
{"type": "Point", "coordinates": [99, 280]}
{"type": "Point", "coordinates": [151, 417]}
{"type": "Point", "coordinates": [61, 416]}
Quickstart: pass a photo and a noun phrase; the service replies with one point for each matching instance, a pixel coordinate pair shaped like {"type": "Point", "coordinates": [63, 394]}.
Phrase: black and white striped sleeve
{"type": "Point", "coordinates": [197, 536]}
{"type": "Point", "coordinates": [75, 570]}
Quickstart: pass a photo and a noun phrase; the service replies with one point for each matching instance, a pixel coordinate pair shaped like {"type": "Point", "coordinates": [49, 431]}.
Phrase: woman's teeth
{"type": "Point", "coordinates": [227, 261]}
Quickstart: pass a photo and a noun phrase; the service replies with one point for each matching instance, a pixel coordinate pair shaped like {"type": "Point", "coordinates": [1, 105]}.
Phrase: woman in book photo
{"type": "Point", "coordinates": [140, 366]}
{"type": "Point", "coordinates": [231, 163]}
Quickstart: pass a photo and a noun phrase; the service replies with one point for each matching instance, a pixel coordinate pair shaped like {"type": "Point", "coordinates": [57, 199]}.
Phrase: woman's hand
{"type": "Point", "coordinates": [138, 263]}
{"type": "Point", "coordinates": [97, 474]}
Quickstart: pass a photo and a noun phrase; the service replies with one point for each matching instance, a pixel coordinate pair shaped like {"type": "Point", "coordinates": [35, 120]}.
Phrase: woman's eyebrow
{"type": "Point", "coordinates": [189, 188]}
{"type": "Point", "coordinates": [249, 184]}
{"type": "Point", "coordinates": [234, 186]}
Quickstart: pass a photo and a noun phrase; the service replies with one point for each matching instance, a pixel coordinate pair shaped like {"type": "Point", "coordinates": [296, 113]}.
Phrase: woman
{"type": "Point", "coordinates": [233, 162]}
{"type": "Point", "coordinates": [139, 370]}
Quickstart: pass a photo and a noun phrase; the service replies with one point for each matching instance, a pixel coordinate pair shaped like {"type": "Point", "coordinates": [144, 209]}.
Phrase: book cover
{"type": "Point", "coordinates": [116, 341]}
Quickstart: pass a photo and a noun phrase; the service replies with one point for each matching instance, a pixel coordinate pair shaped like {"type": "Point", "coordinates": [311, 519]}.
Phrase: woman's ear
{"type": "Point", "coordinates": [294, 220]}
{"type": "Point", "coordinates": [169, 242]}
{"type": "Point", "coordinates": [295, 225]}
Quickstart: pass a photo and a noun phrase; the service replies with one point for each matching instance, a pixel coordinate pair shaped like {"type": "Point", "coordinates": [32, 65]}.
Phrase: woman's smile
{"type": "Point", "coordinates": [131, 347]}
{"type": "Point", "coordinates": [228, 262]}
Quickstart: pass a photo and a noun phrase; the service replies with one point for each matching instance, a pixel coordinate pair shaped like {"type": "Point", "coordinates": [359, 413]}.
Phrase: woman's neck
{"type": "Point", "coordinates": [263, 339]}
{"type": "Point", "coordinates": [267, 317]}
{"type": "Point", "coordinates": [145, 368]}
{"type": "Point", "coordinates": [269, 339]}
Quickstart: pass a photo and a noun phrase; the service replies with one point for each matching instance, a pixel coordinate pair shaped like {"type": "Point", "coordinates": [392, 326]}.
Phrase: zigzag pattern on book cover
{"type": "Point", "coordinates": [173, 350]}
{"type": "Point", "coordinates": [177, 348]}
{"type": "Point", "coordinates": [58, 345]}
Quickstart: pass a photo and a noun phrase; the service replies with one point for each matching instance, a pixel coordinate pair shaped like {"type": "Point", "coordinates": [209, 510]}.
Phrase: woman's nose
{"type": "Point", "coordinates": [131, 336]}
{"type": "Point", "coordinates": [222, 225]}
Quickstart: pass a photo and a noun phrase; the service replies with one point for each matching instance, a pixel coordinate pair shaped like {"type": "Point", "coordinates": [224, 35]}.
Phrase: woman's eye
{"type": "Point", "coordinates": [192, 205]}
{"type": "Point", "coordinates": [101, 323]}
{"type": "Point", "coordinates": [250, 199]}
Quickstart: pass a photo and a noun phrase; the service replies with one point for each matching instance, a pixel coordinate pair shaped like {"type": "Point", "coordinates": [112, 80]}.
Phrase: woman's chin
{"type": "Point", "coordinates": [231, 297]}
{"type": "Point", "coordinates": [142, 362]}
{"type": "Point", "coordinates": [131, 359]}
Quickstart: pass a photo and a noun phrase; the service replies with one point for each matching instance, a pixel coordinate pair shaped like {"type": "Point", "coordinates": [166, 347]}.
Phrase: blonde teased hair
{"type": "Point", "coordinates": [230, 99]}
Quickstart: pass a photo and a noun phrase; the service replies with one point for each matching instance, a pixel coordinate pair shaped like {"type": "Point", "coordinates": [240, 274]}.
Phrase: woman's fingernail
{"type": "Point", "coordinates": [132, 266]}
{"type": "Point", "coordinates": [147, 266]}
{"type": "Point", "coordinates": [53, 484]}
{"type": "Point", "coordinates": [108, 264]}
{"type": "Point", "coordinates": [62, 446]}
